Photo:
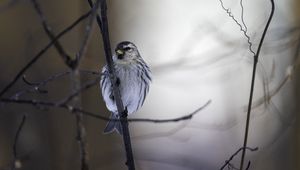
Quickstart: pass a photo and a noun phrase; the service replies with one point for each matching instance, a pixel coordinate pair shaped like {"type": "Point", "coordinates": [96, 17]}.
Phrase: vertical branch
{"type": "Point", "coordinates": [16, 162]}
{"type": "Point", "coordinates": [80, 128]}
{"type": "Point", "coordinates": [122, 112]}
{"type": "Point", "coordinates": [103, 25]}
{"type": "Point", "coordinates": [252, 84]}
{"type": "Point", "coordinates": [98, 17]}
{"type": "Point", "coordinates": [76, 85]}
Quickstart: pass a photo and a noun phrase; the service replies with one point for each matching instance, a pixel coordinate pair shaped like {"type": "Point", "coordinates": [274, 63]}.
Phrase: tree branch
{"type": "Point", "coordinates": [67, 59]}
{"type": "Point", "coordinates": [243, 29]}
{"type": "Point", "coordinates": [73, 109]}
{"type": "Point", "coordinates": [36, 86]}
{"type": "Point", "coordinates": [116, 92]}
{"type": "Point", "coordinates": [227, 162]}
{"type": "Point", "coordinates": [99, 22]}
{"type": "Point", "coordinates": [185, 117]}
{"type": "Point", "coordinates": [252, 84]}
{"type": "Point", "coordinates": [16, 162]}
{"type": "Point", "coordinates": [75, 97]}
{"type": "Point", "coordinates": [40, 54]}
{"type": "Point", "coordinates": [79, 90]}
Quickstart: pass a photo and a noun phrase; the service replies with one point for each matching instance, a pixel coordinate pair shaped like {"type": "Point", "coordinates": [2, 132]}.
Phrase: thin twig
{"type": "Point", "coordinates": [248, 165]}
{"type": "Point", "coordinates": [99, 22]}
{"type": "Point", "coordinates": [28, 82]}
{"type": "Point", "coordinates": [244, 30]}
{"type": "Point", "coordinates": [227, 162]}
{"type": "Point", "coordinates": [36, 86]}
{"type": "Point", "coordinates": [67, 59]}
{"type": "Point", "coordinates": [73, 109]}
{"type": "Point", "coordinates": [185, 117]}
{"type": "Point", "coordinates": [15, 154]}
{"type": "Point", "coordinates": [271, 94]}
{"type": "Point", "coordinates": [90, 72]}
{"type": "Point", "coordinates": [242, 16]}
{"type": "Point", "coordinates": [40, 54]}
{"type": "Point", "coordinates": [252, 84]}
{"type": "Point", "coordinates": [79, 90]}
{"type": "Point", "coordinates": [87, 35]}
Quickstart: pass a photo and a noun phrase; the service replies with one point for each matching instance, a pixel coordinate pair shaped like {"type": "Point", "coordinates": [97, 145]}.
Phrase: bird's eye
{"type": "Point", "coordinates": [127, 48]}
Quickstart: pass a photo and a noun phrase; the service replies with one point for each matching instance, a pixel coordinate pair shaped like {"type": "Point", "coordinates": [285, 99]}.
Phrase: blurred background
{"type": "Point", "coordinates": [196, 52]}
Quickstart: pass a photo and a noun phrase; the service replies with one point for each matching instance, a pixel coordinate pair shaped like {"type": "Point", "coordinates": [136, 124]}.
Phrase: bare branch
{"type": "Point", "coordinates": [116, 92]}
{"type": "Point", "coordinates": [40, 54]}
{"type": "Point", "coordinates": [243, 21]}
{"type": "Point", "coordinates": [36, 86]}
{"type": "Point", "coordinates": [73, 109]}
{"type": "Point", "coordinates": [16, 162]}
{"type": "Point", "coordinates": [78, 91]}
{"type": "Point", "coordinates": [75, 76]}
{"type": "Point", "coordinates": [99, 22]}
{"type": "Point", "coordinates": [243, 29]}
{"type": "Point", "coordinates": [227, 162]}
{"type": "Point", "coordinates": [87, 35]}
{"type": "Point", "coordinates": [252, 84]}
{"type": "Point", "coordinates": [67, 59]}
{"type": "Point", "coordinates": [28, 82]}
{"type": "Point", "coordinates": [248, 165]}
{"type": "Point", "coordinates": [185, 117]}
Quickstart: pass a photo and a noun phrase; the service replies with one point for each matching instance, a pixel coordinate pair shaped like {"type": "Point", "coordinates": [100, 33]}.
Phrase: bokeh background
{"type": "Point", "coordinates": [196, 52]}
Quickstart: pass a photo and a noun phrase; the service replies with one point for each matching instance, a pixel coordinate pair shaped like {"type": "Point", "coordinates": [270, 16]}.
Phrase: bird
{"type": "Point", "coordinates": [133, 80]}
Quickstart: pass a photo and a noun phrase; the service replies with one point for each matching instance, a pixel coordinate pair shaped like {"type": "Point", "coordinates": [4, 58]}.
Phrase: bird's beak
{"type": "Point", "coordinates": [120, 52]}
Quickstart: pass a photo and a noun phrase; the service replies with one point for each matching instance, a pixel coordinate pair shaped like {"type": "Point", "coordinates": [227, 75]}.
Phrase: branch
{"type": "Point", "coordinates": [271, 94]}
{"type": "Point", "coordinates": [67, 59]}
{"type": "Point", "coordinates": [75, 77]}
{"type": "Point", "coordinates": [116, 92]}
{"type": "Point", "coordinates": [99, 22]}
{"type": "Point", "coordinates": [16, 162]}
{"type": "Point", "coordinates": [185, 117]}
{"type": "Point", "coordinates": [87, 35]}
{"type": "Point", "coordinates": [252, 84]}
{"type": "Point", "coordinates": [244, 30]}
{"type": "Point", "coordinates": [36, 86]}
{"type": "Point", "coordinates": [227, 162]}
{"type": "Point", "coordinates": [73, 109]}
{"type": "Point", "coordinates": [40, 54]}
{"type": "Point", "coordinates": [78, 91]}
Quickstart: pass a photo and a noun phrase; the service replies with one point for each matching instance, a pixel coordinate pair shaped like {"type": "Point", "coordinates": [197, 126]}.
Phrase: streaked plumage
{"type": "Point", "coordinates": [134, 76]}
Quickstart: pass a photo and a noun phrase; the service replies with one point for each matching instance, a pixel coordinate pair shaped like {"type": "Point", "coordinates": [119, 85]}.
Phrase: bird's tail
{"type": "Point", "coordinates": [113, 125]}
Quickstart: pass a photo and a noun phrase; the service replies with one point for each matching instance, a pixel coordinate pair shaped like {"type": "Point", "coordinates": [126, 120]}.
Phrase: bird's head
{"type": "Point", "coordinates": [126, 51]}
